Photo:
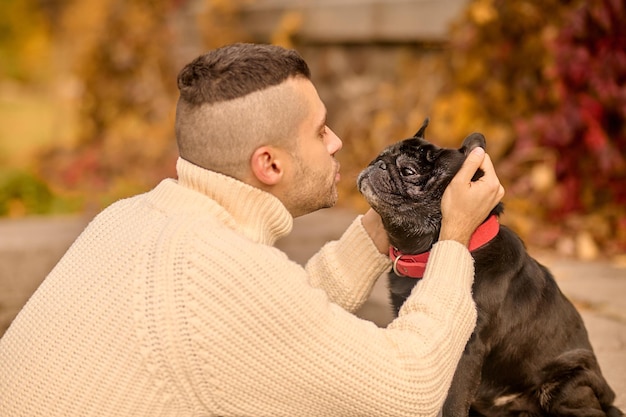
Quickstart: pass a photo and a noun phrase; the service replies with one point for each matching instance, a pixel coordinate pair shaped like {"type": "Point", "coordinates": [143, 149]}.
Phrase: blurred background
{"type": "Point", "coordinates": [88, 91]}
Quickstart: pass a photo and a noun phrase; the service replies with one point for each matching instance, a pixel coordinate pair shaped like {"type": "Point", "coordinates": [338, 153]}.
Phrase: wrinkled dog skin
{"type": "Point", "coordinates": [529, 354]}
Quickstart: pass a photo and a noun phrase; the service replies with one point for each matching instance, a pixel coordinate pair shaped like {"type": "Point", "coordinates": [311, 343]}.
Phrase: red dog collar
{"type": "Point", "coordinates": [413, 266]}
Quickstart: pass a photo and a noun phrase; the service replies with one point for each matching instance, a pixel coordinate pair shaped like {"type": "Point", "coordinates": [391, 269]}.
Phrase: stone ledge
{"type": "Point", "coordinates": [355, 21]}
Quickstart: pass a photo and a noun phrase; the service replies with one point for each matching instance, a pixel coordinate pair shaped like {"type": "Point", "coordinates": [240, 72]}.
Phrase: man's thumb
{"type": "Point", "coordinates": [471, 164]}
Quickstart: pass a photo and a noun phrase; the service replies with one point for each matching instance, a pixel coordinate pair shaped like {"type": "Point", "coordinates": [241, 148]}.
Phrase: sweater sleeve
{"type": "Point", "coordinates": [254, 338]}
{"type": "Point", "coordinates": [346, 269]}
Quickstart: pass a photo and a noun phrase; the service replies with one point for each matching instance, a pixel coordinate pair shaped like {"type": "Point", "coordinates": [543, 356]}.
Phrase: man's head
{"type": "Point", "coordinates": [232, 100]}
{"type": "Point", "coordinates": [251, 112]}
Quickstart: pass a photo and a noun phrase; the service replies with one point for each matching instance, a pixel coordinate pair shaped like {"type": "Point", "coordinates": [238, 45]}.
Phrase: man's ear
{"type": "Point", "coordinates": [266, 165]}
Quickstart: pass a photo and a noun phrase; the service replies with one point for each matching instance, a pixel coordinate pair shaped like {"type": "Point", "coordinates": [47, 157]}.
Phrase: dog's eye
{"type": "Point", "coordinates": [428, 153]}
{"type": "Point", "coordinates": [407, 172]}
{"type": "Point", "coordinates": [431, 156]}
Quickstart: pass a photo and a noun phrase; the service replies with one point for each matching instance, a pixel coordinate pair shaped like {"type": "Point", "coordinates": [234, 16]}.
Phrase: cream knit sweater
{"type": "Point", "coordinates": [175, 303]}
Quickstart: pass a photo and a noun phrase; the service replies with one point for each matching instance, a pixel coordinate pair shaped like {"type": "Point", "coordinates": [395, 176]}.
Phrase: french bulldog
{"type": "Point", "coordinates": [529, 354]}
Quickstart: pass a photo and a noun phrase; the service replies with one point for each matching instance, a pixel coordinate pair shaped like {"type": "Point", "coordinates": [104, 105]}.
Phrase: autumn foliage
{"type": "Point", "coordinates": [546, 80]}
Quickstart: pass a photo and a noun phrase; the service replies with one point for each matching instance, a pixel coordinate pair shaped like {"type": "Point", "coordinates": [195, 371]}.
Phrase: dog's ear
{"type": "Point", "coordinates": [472, 141]}
{"type": "Point", "coordinates": [420, 133]}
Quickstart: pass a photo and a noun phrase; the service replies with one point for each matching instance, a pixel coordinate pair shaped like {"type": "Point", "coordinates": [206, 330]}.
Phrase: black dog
{"type": "Point", "coordinates": [529, 354]}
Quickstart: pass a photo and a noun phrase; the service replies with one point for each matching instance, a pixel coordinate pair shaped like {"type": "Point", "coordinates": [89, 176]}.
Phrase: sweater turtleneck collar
{"type": "Point", "coordinates": [255, 213]}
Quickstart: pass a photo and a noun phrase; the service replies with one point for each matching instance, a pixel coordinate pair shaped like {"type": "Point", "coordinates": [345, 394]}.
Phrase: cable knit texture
{"type": "Point", "coordinates": [175, 303]}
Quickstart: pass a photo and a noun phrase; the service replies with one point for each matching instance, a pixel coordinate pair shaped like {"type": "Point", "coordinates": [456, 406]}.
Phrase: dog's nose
{"type": "Point", "coordinates": [381, 165]}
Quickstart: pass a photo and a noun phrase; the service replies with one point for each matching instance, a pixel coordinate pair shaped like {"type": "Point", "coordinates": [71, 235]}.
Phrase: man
{"type": "Point", "coordinates": [175, 302]}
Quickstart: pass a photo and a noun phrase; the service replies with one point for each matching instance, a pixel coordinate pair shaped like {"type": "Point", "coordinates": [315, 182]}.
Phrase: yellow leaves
{"type": "Point", "coordinates": [482, 12]}
{"type": "Point", "coordinates": [455, 115]}
{"type": "Point", "coordinates": [543, 177]}
{"type": "Point", "coordinates": [586, 247]}
{"type": "Point", "coordinates": [290, 23]}
{"type": "Point", "coordinates": [460, 113]}
{"type": "Point", "coordinates": [84, 24]}
{"type": "Point", "coordinates": [218, 22]}
{"type": "Point", "coordinates": [34, 50]}
{"type": "Point", "coordinates": [25, 40]}
{"type": "Point", "coordinates": [30, 119]}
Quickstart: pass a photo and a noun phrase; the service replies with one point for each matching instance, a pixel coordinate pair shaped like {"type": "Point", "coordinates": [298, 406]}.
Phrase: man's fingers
{"type": "Point", "coordinates": [491, 177]}
{"type": "Point", "coordinates": [473, 161]}
{"type": "Point", "coordinates": [487, 165]}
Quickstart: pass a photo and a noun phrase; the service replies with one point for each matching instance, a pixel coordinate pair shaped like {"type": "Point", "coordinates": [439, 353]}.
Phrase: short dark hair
{"type": "Point", "coordinates": [237, 70]}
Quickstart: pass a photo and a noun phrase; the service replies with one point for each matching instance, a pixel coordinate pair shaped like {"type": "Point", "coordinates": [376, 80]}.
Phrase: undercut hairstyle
{"type": "Point", "coordinates": [234, 99]}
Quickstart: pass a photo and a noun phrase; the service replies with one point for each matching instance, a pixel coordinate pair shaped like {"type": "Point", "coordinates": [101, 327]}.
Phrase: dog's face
{"type": "Point", "coordinates": [405, 183]}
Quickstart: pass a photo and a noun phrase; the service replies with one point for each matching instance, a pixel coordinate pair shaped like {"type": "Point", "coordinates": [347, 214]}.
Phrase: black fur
{"type": "Point", "coordinates": [529, 354]}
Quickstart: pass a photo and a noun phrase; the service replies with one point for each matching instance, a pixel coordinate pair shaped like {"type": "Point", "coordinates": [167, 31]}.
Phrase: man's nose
{"type": "Point", "coordinates": [334, 144]}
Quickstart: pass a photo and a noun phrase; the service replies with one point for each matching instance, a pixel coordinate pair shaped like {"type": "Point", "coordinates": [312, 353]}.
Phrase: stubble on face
{"type": "Point", "coordinates": [314, 170]}
{"type": "Point", "coordinates": [316, 187]}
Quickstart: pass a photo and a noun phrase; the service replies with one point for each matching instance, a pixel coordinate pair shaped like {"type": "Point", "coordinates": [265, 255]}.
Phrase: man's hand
{"type": "Point", "coordinates": [466, 204]}
{"type": "Point", "coordinates": [373, 225]}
